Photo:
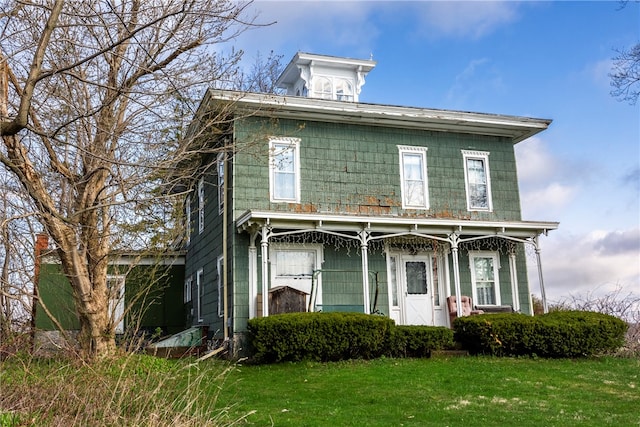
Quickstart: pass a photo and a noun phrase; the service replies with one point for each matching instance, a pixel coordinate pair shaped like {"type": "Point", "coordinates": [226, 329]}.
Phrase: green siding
{"type": "Point", "coordinates": [354, 169]}
{"type": "Point", "coordinates": [154, 294]}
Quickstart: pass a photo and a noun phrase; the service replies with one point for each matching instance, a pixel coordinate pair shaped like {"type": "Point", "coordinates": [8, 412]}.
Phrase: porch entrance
{"type": "Point", "coordinates": [418, 289]}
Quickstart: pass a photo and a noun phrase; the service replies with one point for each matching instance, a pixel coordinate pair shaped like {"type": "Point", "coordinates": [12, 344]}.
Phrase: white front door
{"type": "Point", "coordinates": [416, 283]}
{"type": "Point", "coordinates": [415, 289]}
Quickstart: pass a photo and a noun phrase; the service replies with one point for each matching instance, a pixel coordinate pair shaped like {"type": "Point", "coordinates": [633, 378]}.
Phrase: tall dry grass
{"type": "Point", "coordinates": [131, 390]}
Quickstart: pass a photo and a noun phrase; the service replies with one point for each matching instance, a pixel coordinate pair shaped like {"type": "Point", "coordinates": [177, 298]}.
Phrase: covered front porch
{"type": "Point", "coordinates": [404, 268]}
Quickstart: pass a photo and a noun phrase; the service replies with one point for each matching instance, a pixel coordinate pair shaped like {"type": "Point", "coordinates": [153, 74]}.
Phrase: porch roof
{"type": "Point", "coordinates": [393, 225]}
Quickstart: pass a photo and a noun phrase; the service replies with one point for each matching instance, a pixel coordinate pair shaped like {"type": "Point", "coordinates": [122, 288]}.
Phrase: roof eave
{"type": "Point", "coordinates": [513, 127]}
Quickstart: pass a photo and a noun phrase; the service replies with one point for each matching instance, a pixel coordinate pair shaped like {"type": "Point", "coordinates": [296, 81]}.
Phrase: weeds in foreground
{"type": "Point", "coordinates": [135, 390]}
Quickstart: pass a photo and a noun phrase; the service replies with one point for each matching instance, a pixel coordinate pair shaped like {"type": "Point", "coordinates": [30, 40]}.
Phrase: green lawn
{"type": "Point", "coordinates": [462, 391]}
{"type": "Point", "coordinates": [465, 391]}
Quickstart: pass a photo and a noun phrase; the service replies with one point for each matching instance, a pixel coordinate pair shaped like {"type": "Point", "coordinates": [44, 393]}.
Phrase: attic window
{"type": "Point", "coordinates": [322, 88]}
{"type": "Point", "coordinates": [333, 88]}
{"type": "Point", "coordinates": [344, 90]}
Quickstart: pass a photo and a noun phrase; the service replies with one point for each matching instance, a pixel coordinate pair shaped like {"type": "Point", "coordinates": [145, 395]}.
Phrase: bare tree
{"type": "Point", "coordinates": [625, 73]}
{"type": "Point", "coordinates": [88, 93]}
{"type": "Point", "coordinates": [16, 262]}
{"type": "Point", "coordinates": [262, 76]}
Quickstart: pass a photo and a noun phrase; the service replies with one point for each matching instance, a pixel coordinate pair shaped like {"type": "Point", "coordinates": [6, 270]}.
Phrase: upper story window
{"type": "Point", "coordinates": [413, 177]}
{"type": "Point", "coordinates": [221, 196]}
{"type": "Point", "coordinates": [333, 88]}
{"type": "Point", "coordinates": [485, 278]}
{"type": "Point", "coordinates": [477, 180]}
{"type": "Point", "coordinates": [201, 205]}
{"type": "Point", "coordinates": [284, 169]}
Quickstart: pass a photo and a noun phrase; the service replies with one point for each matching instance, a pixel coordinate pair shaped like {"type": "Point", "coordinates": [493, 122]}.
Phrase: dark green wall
{"type": "Point", "coordinates": [154, 293]}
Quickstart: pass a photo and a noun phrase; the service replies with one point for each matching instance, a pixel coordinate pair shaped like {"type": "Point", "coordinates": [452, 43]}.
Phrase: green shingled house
{"type": "Point", "coordinates": [338, 205]}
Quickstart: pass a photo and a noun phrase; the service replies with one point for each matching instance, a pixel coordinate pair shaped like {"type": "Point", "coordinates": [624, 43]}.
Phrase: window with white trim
{"type": "Point", "coordinates": [413, 177]}
{"type": "Point", "coordinates": [435, 279]}
{"type": "Point", "coordinates": [201, 205]}
{"type": "Point", "coordinates": [485, 278]}
{"type": "Point", "coordinates": [220, 166]}
{"type": "Point", "coordinates": [200, 293]}
{"type": "Point", "coordinates": [344, 90]}
{"type": "Point", "coordinates": [187, 289]}
{"type": "Point", "coordinates": [284, 169]}
{"type": "Point", "coordinates": [187, 214]}
{"type": "Point", "coordinates": [477, 180]}
{"type": "Point", "coordinates": [322, 88]}
{"type": "Point", "coordinates": [220, 266]}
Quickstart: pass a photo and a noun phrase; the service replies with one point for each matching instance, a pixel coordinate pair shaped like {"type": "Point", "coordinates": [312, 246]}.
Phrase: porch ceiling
{"type": "Point", "coordinates": [252, 220]}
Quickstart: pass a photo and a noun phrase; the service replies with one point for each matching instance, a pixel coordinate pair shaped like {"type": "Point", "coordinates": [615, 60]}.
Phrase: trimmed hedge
{"type": "Point", "coordinates": [554, 335]}
{"type": "Point", "coordinates": [340, 336]}
{"type": "Point", "coordinates": [419, 341]}
{"type": "Point", "coordinates": [318, 336]}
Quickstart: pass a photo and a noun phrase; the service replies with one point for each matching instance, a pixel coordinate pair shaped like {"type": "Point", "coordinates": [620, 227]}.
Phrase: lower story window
{"type": "Point", "coordinates": [484, 278]}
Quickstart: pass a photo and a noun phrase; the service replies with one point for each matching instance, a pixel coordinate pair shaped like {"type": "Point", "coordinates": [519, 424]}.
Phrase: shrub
{"type": "Point", "coordinates": [419, 341]}
{"type": "Point", "coordinates": [557, 334]}
{"type": "Point", "coordinates": [318, 336]}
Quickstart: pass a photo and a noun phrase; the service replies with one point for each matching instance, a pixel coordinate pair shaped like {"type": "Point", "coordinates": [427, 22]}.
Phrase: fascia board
{"type": "Point", "coordinates": [514, 127]}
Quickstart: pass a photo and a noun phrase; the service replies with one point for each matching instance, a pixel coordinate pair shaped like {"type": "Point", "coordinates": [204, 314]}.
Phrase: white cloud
{"type": "Point", "coordinates": [593, 264]}
{"type": "Point", "coordinates": [546, 202]}
{"type": "Point", "coordinates": [545, 189]}
{"type": "Point", "coordinates": [463, 19]}
{"type": "Point", "coordinates": [535, 161]}
{"type": "Point", "coordinates": [479, 79]}
{"type": "Point", "coordinates": [304, 25]}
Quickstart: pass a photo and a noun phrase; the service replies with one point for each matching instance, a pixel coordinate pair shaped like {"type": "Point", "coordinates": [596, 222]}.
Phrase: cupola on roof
{"type": "Point", "coordinates": [327, 77]}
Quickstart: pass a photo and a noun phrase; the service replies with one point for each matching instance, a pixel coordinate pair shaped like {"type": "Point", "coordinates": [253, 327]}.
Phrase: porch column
{"type": "Point", "coordinates": [545, 308]}
{"type": "Point", "coordinates": [253, 275]}
{"type": "Point", "coordinates": [515, 297]}
{"type": "Point", "coordinates": [264, 246]}
{"type": "Point", "coordinates": [364, 247]}
{"type": "Point", "coordinates": [453, 239]}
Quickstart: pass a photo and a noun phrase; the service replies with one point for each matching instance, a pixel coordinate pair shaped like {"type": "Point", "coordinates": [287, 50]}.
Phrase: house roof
{"type": "Point", "coordinates": [514, 128]}
{"type": "Point", "coordinates": [394, 225]}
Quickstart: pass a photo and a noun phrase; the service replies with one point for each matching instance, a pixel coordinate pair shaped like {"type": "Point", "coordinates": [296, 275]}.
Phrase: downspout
{"type": "Point", "coordinates": [225, 236]}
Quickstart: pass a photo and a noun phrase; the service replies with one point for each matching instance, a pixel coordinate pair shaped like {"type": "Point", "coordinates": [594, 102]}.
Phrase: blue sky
{"type": "Point", "coordinates": [537, 59]}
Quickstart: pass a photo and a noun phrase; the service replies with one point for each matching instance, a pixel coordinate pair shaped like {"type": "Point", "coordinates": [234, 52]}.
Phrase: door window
{"type": "Point", "coordinates": [416, 273]}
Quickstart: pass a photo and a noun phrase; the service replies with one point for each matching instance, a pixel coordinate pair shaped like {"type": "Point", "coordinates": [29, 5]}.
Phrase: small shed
{"type": "Point", "coordinates": [285, 299]}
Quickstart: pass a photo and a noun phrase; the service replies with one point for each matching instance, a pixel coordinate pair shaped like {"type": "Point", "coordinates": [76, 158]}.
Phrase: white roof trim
{"type": "Point", "coordinates": [394, 224]}
{"type": "Point", "coordinates": [301, 108]}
